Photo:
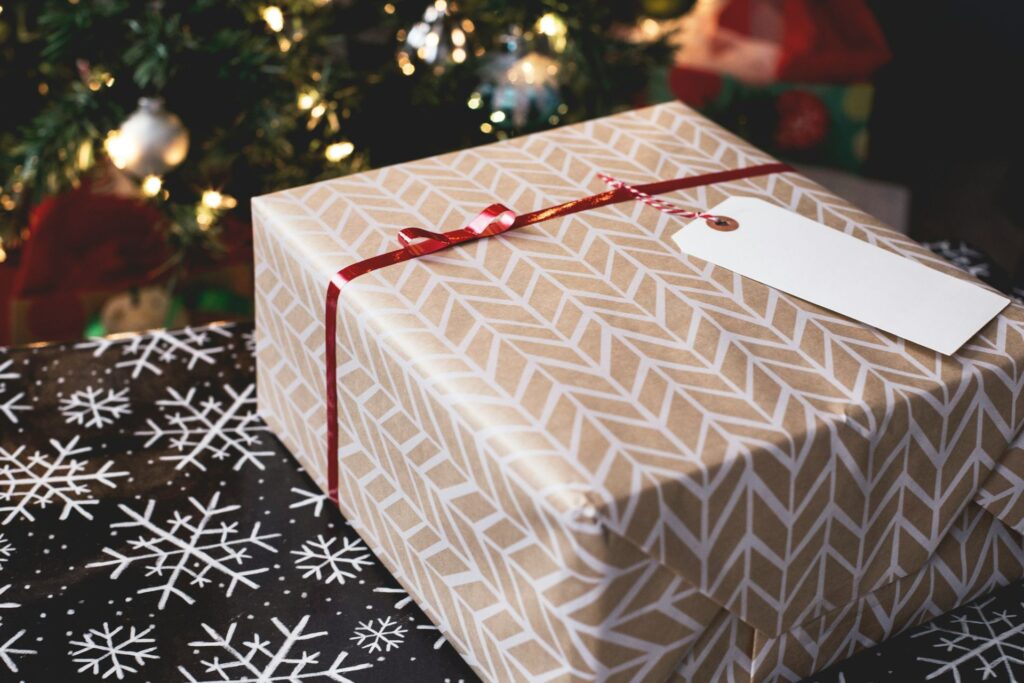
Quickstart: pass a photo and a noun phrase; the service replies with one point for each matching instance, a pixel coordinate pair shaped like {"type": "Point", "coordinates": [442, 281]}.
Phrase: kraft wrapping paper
{"type": "Point", "coordinates": [591, 457]}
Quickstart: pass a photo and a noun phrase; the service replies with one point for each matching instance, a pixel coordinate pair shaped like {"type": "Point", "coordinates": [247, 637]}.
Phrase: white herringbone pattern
{"type": "Point", "coordinates": [585, 452]}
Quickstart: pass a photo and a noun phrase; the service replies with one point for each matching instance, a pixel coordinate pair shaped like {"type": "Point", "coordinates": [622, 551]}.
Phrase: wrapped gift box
{"type": "Point", "coordinates": [588, 456]}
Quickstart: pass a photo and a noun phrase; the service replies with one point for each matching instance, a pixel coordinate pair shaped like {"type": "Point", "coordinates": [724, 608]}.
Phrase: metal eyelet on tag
{"type": "Point", "coordinates": [722, 223]}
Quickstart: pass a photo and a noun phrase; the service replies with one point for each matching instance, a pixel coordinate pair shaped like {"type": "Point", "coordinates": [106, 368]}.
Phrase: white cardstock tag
{"type": "Point", "coordinates": [842, 273]}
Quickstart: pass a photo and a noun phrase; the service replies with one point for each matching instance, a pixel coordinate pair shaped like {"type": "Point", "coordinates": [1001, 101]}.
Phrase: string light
{"type": "Point", "coordinates": [307, 99]}
{"type": "Point", "coordinates": [389, 8]}
{"type": "Point", "coordinates": [98, 78]}
{"type": "Point", "coordinates": [151, 185]}
{"type": "Point", "coordinates": [475, 101]}
{"type": "Point", "coordinates": [337, 151]}
{"type": "Point", "coordinates": [550, 24]}
{"type": "Point", "coordinates": [650, 28]}
{"type": "Point", "coordinates": [3, 253]}
{"type": "Point", "coordinates": [210, 206]}
{"type": "Point", "coordinates": [121, 152]}
{"type": "Point", "coordinates": [204, 217]}
{"type": "Point", "coordinates": [497, 116]}
{"type": "Point", "coordinates": [553, 26]}
{"type": "Point", "coordinates": [274, 17]}
{"type": "Point", "coordinates": [214, 199]}
{"type": "Point", "coordinates": [486, 127]}
{"type": "Point", "coordinates": [84, 157]}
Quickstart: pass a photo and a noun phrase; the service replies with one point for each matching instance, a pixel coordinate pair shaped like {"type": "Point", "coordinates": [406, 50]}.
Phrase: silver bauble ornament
{"type": "Point", "coordinates": [151, 141]}
{"type": "Point", "coordinates": [442, 37]}
{"type": "Point", "coordinates": [525, 89]}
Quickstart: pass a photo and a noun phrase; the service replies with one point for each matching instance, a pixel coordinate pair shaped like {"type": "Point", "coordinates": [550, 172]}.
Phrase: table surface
{"type": "Point", "coordinates": [152, 529]}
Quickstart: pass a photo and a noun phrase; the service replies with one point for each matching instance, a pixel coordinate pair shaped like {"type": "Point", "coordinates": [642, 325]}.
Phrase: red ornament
{"type": "Point", "coordinates": [803, 120]}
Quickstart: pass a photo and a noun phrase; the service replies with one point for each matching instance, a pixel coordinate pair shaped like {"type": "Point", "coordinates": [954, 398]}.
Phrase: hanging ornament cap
{"type": "Point", "coordinates": [151, 141]}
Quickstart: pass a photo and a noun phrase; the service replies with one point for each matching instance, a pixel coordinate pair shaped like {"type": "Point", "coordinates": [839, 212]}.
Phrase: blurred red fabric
{"type": "Point", "coordinates": [79, 244]}
{"type": "Point", "coordinates": [82, 241]}
{"type": "Point", "coordinates": [765, 41]}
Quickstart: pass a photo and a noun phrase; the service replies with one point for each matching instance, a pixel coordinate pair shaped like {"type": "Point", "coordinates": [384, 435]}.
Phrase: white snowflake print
{"type": "Point", "coordinates": [383, 636]}
{"type": "Point", "coordinates": [402, 602]}
{"type": "Point", "coordinates": [154, 351]}
{"type": "Point", "coordinates": [189, 550]}
{"type": "Point", "coordinates": [90, 407]}
{"type": "Point", "coordinates": [316, 500]}
{"type": "Point", "coordinates": [112, 651]}
{"type": "Point", "coordinates": [249, 341]}
{"type": "Point", "coordinates": [320, 559]}
{"type": "Point", "coordinates": [441, 640]}
{"type": "Point", "coordinates": [12, 404]}
{"type": "Point", "coordinates": [39, 481]}
{"type": "Point", "coordinates": [6, 550]}
{"type": "Point", "coordinates": [977, 645]}
{"type": "Point", "coordinates": [262, 661]}
{"type": "Point", "coordinates": [8, 649]}
{"type": "Point", "coordinates": [6, 605]}
{"type": "Point", "coordinates": [210, 427]}
{"type": "Point", "coordinates": [6, 373]}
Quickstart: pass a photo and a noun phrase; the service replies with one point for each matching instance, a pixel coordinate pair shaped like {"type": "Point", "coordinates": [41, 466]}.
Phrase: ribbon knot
{"type": "Point", "coordinates": [496, 218]}
{"type": "Point", "coordinates": [431, 241]}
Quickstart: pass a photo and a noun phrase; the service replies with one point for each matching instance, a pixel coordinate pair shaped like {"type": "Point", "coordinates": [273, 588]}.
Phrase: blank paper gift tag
{"type": "Point", "coordinates": [842, 273]}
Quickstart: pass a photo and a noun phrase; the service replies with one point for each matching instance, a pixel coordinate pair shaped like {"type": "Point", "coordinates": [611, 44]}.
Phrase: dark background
{"type": "Point", "coordinates": [947, 121]}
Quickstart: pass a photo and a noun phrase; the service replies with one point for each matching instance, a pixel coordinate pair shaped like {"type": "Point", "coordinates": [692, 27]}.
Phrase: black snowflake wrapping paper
{"type": "Point", "coordinates": [151, 529]}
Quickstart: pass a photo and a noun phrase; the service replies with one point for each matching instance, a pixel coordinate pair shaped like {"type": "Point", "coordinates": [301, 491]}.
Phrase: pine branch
{"type": "Point", "coordinates": [59, 144]}
{"type": "Point", "coordinates": [234, 81]}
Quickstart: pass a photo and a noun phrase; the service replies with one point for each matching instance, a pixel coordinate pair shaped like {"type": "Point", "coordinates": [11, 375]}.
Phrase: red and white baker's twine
{"type": "Point", "coordinates": [659, 204]}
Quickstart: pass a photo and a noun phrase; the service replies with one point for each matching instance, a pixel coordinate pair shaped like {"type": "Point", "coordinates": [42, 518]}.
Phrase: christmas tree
{"type": "Point", "coordinates": [202, 104]}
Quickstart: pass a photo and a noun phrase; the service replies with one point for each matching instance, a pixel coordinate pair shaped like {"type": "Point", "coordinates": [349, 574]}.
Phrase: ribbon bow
{"type": "Point", "coordinates": [495, 219]}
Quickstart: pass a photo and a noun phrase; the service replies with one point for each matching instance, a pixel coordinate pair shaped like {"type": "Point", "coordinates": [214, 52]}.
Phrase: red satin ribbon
{"type": "Point", "coordinates": [493, 220]}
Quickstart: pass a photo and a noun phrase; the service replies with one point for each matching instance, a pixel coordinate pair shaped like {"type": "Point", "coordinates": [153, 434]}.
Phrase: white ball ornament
{"type": "Point", "coordinates": [150, 142]}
